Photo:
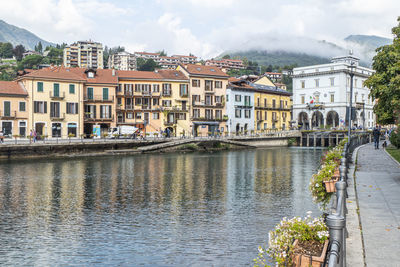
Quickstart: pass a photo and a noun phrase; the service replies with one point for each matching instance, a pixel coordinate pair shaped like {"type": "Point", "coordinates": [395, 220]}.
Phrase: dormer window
{"type": "Point", "coordinates": [90, 74]}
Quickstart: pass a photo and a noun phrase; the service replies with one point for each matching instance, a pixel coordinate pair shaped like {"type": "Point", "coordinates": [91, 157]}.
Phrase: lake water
{"type": "Point", "coordinates": [195, 209]}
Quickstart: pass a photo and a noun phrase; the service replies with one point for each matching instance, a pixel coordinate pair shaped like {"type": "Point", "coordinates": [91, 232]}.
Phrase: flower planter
{"type": "Point", "coordinates": [330, 185]}
{"type": "Point", "coordinates": [301, 260]}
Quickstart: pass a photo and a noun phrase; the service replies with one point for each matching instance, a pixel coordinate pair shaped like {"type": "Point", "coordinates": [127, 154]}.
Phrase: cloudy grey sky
{"type": "Point", "coordinates": [202, 27]}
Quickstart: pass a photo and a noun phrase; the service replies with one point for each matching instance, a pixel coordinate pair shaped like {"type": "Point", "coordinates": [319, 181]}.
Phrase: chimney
{"type": "Point", "coordinates": [113, 72]}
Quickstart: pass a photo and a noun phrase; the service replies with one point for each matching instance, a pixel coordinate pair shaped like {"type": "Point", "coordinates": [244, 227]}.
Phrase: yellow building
{"type": "Point", "coordinates": [207, 92]}
{"type": "Point", "coordinates": [153, 101]}
{"type": "Point", "coordinates": [13, 109]}
{"type": "Point", "coordinates": [55, 102]}
{"type": "Point", "coordinates": [272, 108]}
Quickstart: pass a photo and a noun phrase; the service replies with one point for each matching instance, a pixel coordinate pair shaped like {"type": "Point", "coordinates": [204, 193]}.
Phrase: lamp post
{"type": "Point", "coordinates": [351, 67]}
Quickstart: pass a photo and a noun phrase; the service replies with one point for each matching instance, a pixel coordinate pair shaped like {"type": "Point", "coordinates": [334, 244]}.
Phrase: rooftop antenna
{"type": "Point", "coordinates": [351, 52]}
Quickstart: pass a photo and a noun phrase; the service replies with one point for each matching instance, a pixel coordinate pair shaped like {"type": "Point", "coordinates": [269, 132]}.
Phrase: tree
{"type": "Point", "coordinates": [162, 53]}
{"type": "Point", "coordinates": [39, 47]}
{"type": "Point", "coordinates": [6, 50]}
{"type": "Point", "coordinates": [18, 52]}
{"type": "Point", "coordinates": [30, 62]}
{"type": "Point", "coordinates": [55, 56]}
{"type": "Point", "coordinates": [146, 65]}
{"type": "Point", "coordinates": [226, 56]}
{"type": "Point", "coordinates": [385, 82]}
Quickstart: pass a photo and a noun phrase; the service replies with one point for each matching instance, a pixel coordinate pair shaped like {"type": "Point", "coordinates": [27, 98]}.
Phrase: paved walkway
{"type": "Point", "coordinates": [378, 191]}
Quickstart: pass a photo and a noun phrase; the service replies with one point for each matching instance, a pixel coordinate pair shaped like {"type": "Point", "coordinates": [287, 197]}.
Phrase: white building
{"type": "Point", "coordinates": [122, 61]}
{"type": "Point", "coordinates": [321, 95]}
{"type": "Point", "coordinates": [240, 107]}
{"type": "Point", "coordinates": [84, 54]}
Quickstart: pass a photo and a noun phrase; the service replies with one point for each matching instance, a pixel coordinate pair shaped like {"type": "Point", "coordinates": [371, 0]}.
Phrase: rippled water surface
{"type": "Point", "coordinates": [195, 209]}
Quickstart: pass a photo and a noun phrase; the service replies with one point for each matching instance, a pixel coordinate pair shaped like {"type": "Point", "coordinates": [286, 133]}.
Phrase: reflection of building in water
{"type": "Point", "coordinates": [273, 171]}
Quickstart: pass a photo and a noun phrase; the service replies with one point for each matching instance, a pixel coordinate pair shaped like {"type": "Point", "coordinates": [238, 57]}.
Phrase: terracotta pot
{"type": "Point", "coordinates": [330, 185]}
{"type": "Point", "coordinates": [336, 174]}
{"type": "Point", "coordinates": [300, 260]}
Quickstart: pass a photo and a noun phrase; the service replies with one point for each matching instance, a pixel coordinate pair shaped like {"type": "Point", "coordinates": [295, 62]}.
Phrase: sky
{"type": "Point", "coordinates": [205, 28]}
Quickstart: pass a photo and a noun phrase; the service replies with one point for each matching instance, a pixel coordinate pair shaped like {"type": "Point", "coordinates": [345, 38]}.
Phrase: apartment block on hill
{"type": "Point", "coordinates": [226, 64]}
{"type": "Point", "coordinates": [84, 54]}
{"type": "Point", "coordinates": [122, 61]}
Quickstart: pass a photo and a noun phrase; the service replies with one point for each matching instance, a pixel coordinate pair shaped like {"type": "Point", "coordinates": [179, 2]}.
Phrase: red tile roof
{"type": "Point", "coordinates": [54, 73]}
{"type": "Point", "coordinates": [126, 74]}
{"type": "Point", "coordinates": [172, 75]}
{"type": "Point", "coordinates": [103, 76]}
{"type": "Point", "coordinates": [12, 88]}
{"type": "Point", "coordinates": [204, 70]}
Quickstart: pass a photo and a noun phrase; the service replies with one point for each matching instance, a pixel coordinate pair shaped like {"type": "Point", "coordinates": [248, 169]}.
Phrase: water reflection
{"type": "Point", "coordinates": [167, 210]}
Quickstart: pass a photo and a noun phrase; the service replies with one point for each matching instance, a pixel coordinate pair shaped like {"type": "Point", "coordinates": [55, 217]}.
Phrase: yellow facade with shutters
{"type": "Point", "coordinates": [55, 107]}
{"type": "Point", "coordinates": [272, 111]}
{"type": "Point", "coordinates": [14, 115]}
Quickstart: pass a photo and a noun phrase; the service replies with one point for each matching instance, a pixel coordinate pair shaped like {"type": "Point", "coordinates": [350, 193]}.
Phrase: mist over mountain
{"type": "Point", "coordinates": [16, 36]}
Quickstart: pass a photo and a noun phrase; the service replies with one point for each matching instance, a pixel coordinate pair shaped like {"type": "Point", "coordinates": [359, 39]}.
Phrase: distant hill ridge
{"type": "Point", "coordinates": [16, 36]}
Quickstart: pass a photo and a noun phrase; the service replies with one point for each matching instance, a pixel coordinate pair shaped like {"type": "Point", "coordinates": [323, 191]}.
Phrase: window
{"type": "Point", "coordinates": [265, 126]}
{"type": "Point", "coordinates": [40, 86]}
{"type": "Point", "coordinates": [209, 85]}
{"type": "Point", "coordinates": [196, 113]}
{"type": "Point", "coordinates": [218, 114]}
{"type": "Point", "coordinates": [218, 99]}
{"type": "Point", "coordinates": [22, 106]}
{"type": "Point", "coordinates": [281, 104]}
{"type": "Point", "coordinates": [56, 129]}
{"type": "Point", "coordinates": [218, 84]}
{"type": "Point", "coordinates": [56, 90]}
{"type": "Point", "coordinates": [119, 88]}
{"type": "Point", "coordinates": [183, 90]}
{"type": "Point", "coordinates": [303, 84]}
{"type": "Point", "coordinates": [166, 103]}
{"type": "Point", "coordinates": [72, 88]}
{"type": "Point", "coordinates": [332, 98]}
{"type": "Point", "coordinates": [90, 111]}
{"type": "Point", "coordinates": [265, 115]}
{"type": "Point", "coordinates": [303, 99]}
{"type": "Point", "coordinates": [238, 113]}
{"type": "Point", "coordinates": [71, 129]}
{"type": "Point", "coordinates": [209, 114]}
{"type": "Point", "coordinates": [166, 89]}
{"type": "Point", "coordinates": [40, 107]}
{"type": "Point", "coordinates": [105, 111]}
{"type": "Point", "coordinates": [258, 101]}
{"type": "Point", "coordinates": [156, 101]}
{"type": "Point", "coordinates": [72, 108]}
{"type": "Point", "coordinates": [259, 115]}
{"type": "Point", "coordinates": [119, 101]}
{"type": "Point", "coordinates": [238, 98]}
{"type": "Point", "coordinates": [332, 81]}
{"type": "Point", "coordinates": [181, 116]}
{"type": "Point", "coordinates": [209, 100]}
{"type": "Point", "coordinates": [227, 98]}
{"type": "Point", "coordinates": [105, 93]}
{"type": "Point", "coordinates": [156, 88]}
{"type": "Point", "coordinates": [273, 103]}
{"type": "Point", "coordinates": [195, 98]}
{"type": "Point", "coordinates": [89, 93]}
{"type": "Point", "coordinates": [138, 101]}
{"type": "Point", "coordinates": [129, 115]}
{"type": "Point", "coordinates": [156, 116]}
{"type": "Point", "coordinates": [284, 116]}
{"type": "Point", "coordinates": [265, 102]}
{"type": "Point", "coordinates": [316, 82]}
{"type": "Point", "coordinates": [54, 109]}
{"type": "Point", "coordinates": [247, 113]}
{"type": "Point", "coordinates": [22, 128]}
{"type": "Point", "coordinates": [247, 101]}
{"type": "Point", "coordinates": [196, 83]}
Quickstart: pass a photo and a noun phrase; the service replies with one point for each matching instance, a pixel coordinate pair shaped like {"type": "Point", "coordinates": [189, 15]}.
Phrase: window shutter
{"type": "Point", "coordinates": [45, 106]}
{"type": "Point", "coordinates": [109, 112]}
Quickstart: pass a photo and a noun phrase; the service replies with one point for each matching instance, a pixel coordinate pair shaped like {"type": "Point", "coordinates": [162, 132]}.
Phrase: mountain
{"type": "Point", "coordinates": [16, 36]}
{"type": "Point", "coordinates": [306, 51]}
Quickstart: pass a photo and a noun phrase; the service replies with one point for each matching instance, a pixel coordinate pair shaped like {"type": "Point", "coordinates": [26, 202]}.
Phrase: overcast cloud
{"type": "Point", "coordinates": [203, 27]}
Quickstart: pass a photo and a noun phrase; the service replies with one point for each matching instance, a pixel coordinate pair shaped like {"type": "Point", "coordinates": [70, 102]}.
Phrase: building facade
{"type": "Point", "coordinates": [13, 109]}
{"type": "Point", "coordinates": [322, 95]}
{"type": "Point", "coordinates": [122, 61]}
{"type": "Point", "coordinates": [226, 63]}
{"type": "Point", "coordinates": [84, 54]}
{"type": "Point", "coordinates": [207, 91]}
{"type": "Point", "coordinates": [239, 107]}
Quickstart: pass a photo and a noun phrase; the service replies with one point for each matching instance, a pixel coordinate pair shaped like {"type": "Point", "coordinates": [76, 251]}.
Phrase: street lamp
{"type": "Point", "coordinates": [351, 67]}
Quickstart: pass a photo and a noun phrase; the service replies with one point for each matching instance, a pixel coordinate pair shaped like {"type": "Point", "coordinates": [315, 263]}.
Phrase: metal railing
{"type": "Point", "coordinates": [336, 220]}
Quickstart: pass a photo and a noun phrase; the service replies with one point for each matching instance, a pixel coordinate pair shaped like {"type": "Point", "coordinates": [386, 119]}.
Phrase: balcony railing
{"type": "Point", "coordinates": [90, 117]}
{"type": "Point", "coordinates": [98, 98]}
{"type": "Point", "coordinates": [8, 115]}
{"type": "Point", "coordinates": [57, 117]}
{"type": "Point", "coordinates": [58, 96]}
{"type": "Point", "coordinates": [271, 107]}
{"type": "Point", "coordinates": [223, 118]}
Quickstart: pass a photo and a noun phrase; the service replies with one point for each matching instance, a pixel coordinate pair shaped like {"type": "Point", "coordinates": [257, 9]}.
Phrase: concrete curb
{"type": "Point", "coordinates": [355, 255]}
{"type": "Point", "coordinates": [398, 163]}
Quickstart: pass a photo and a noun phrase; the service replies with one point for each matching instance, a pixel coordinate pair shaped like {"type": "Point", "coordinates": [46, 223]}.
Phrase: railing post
{"type": "Point", "coordinates": [336, 225]}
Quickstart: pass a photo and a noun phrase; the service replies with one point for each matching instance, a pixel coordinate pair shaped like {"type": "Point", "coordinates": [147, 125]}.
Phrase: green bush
{"type": "Point", "coordinates": [395, 138]}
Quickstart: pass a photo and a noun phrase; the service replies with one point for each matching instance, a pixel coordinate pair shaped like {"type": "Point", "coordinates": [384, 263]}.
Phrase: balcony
{"type": "Point", "coordinates": [146, 93]}
{"type": "Point", "coordinates": [170, 123]}
{"type": "Point", "coordinates": [89, 117]}
{"type": "Point", "coordinates": [57, 117]}
{"type": "Point", "coordinates": [270, 107]}
{"type": "Point", "coordinates": [57, 96]}
{"type": "Point", "coordinates": [224, 118]}
{"type": "Point", "coordinates": [8, 115]}
{"type": "Point", "coordinates": [98, 98]}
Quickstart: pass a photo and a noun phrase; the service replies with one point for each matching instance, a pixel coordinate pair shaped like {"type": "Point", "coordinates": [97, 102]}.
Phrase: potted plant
{"type": "Point", "coordinates": [296, 242]}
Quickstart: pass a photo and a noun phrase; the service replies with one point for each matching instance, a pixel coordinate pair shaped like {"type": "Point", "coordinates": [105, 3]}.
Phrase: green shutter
{"type": "Point", "coordinates": [40, 86]}
{"type": "Point", "coordinates": [105, 93]}
{"type": "Point", "coordinates": [56, 89]}
{"type": "Point", "coordinates": [90, 93]}
{"type": "Point", "coordinates": [21, 106]}
{"type": "Point", "coordinates": [72, 88]}
{"type": "Point", "coordinates": [7, 108]}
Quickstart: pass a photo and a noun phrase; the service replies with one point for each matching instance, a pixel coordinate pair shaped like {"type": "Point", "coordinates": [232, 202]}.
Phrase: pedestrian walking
{"type": "Point", "coordinates": [1, 137]}
{"type": "Point", "coordinates": [376, 133]}
{"type": "Point", "coordinates": [34, 136]}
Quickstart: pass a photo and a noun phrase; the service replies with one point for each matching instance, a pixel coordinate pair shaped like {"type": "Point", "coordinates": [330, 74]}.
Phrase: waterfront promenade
{"type": "Point", "coordinates": [377, 192]}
